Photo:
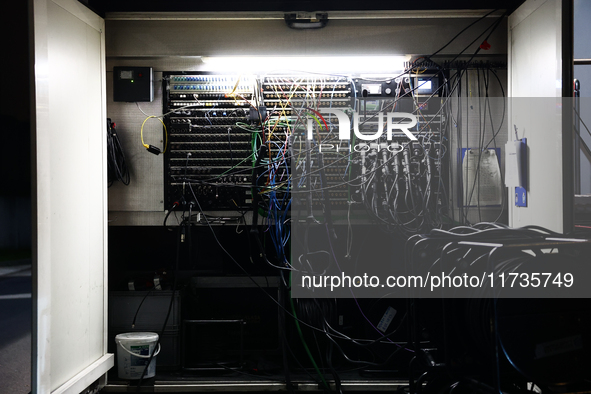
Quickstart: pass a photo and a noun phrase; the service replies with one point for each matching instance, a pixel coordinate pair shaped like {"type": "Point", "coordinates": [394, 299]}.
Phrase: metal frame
{"type": "Point", "coordinates": [568, 133]}
{"type": "Point", "coordinates": [211, 386]}
{"type": "Point", "coordinates": [274, 15]}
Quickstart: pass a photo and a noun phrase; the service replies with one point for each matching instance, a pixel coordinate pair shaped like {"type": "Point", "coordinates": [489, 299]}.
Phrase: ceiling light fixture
{"type": "Point", "coordinates": [316, 64]}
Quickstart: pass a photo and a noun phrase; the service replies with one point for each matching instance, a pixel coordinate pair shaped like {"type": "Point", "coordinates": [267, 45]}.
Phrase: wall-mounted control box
{"type": "Point", "coordinates": [133, 84]}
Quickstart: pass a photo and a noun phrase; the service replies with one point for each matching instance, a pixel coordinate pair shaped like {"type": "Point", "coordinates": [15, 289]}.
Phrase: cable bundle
{"type": "Point", "coordinates": [403, 190]}
{"type": "Point", "coordinates": [494, 336]}
{"type": "Point", "coordinates": [116, 165]}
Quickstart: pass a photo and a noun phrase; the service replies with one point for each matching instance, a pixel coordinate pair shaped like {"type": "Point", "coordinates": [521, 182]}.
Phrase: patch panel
{"type": "Point", "coordinates": [293, 99]}
{"type": "Point", "coordinates": [210, 143]}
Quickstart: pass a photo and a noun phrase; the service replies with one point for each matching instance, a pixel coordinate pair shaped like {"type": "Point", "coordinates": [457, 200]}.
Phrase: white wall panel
{"type": "Point", "coordinates": [70, 197]}
{"type": "Point", "coordinates": [535, 88]}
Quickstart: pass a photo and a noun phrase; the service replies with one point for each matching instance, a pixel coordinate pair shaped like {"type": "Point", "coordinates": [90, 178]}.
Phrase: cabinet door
{"type": "Point", "coordinates": [69, 197]}
{"type": "Point", "coordinates": [540, 106]}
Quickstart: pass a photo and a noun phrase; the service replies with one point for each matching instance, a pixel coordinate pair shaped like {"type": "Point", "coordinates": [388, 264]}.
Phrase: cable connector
{"type": "Point", "coordinates": [153, 149]}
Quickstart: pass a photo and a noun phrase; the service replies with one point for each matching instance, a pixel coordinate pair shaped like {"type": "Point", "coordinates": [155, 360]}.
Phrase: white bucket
{"type": "Point", "coordinates": [133, 353]}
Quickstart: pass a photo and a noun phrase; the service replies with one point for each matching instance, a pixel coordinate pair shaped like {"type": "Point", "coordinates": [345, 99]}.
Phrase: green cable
{"type": "Point", "coordinates": [297, 324]}
{"type": "Point", "coordinates": [236, 166]}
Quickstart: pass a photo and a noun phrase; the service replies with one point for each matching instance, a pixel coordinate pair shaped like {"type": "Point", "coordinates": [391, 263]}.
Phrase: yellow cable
{"type": "Point", "coordinates": [235, 86]}
{"type": "Point", "coordinates": [165, 133]}
{"type": "Point", "coordinates": [283, 107]}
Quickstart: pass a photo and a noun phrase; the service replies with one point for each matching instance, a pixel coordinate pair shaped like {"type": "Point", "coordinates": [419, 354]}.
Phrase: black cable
{"type": "Point", "coordinates": [190, 232]}
{"type": "Point", "coordinates": [140, 306]}
{"type": "Point", "coordinates": [318, 349]}
{"type": "Point", "coordinates": [255, 195]}
{"type": "Point", "coordinates": [283, 339]}
{"type": "Point", "coordinates": [363, 362]}
{"type": "Point", "coordinates": [373, 341]}
{"type": "Point", "coordinates": [493, 26]}
{"type": "Point", "coordinates": [172, 298]}
{"type": "Point", "coordinates": [337, 379]}
{"type": "Point", "coordinates": [116, 165]}
{"type": "Point", "coordinates": [174, 205]}
{"type": "Point", "coordinates": [463, 30]}
{"type": "Point", "coordinates": [230, 147]}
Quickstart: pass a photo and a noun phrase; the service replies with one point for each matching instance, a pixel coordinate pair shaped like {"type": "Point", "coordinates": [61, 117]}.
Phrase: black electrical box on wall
{"type": "Point", "coordinates": [133, 84]}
